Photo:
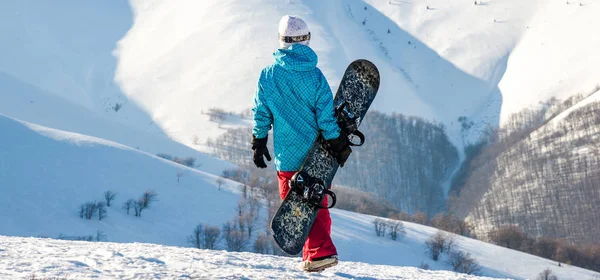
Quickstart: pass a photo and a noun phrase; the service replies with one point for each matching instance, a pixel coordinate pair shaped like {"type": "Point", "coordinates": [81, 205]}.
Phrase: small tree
{"type": "Point", "coordinates": [144, 202]}
{"type": "Point", "coordinates": [545, 248]}
{"type": "Point", "coordinates": [439, 243]}
{"type": "Point", "coordinates": [547, 274]}
{"type": "Point", "coordinates": [380, 226]}
{"type": "Point", "coordinates": [434, 249]}
{"type": "Point", "coordinates": [261, 244]}
{"type": "Point", "coordinates": [82, 211]}
{"type": "Point", "coordinates": [101, 210]}
{"type": "Point", "coordinates": [197, 237]}
{"type": "Point", "coordinates": [128, 205]}
{"type": "Point", "coordinates": [508, 236]}
{"type": "Point", "coordinates": [211, 236]}
{"type": "Point", "coordinates": [109, 197]}
{"type": "Point", "coordinates": [138, 206]}
{"type": "Point", "coordinates": [148, 198]}
{"type": "Point", "coordinates": [89, 209]}
{"type": "Point", "coordinates": [235, 237]}
{"type": "Point", "coordinates": [420, 218]}
{"type": "Point", "coordinates": [463, 262]}
{"type": "Point", "coordinates": [396, 229]}
{"type": "Point", "coordinates": [220, 182]}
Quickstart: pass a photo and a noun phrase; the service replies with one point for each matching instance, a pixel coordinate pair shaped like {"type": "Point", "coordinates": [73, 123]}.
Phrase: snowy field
{"type": "Point", "coordinates": [45, 174]}
{"type": "Point", "coordinates": [22, 257]}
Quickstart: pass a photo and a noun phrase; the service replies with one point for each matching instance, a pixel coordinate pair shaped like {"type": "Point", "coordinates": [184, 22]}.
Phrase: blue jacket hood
{"type": "Point", "coordinates": [297, 57]}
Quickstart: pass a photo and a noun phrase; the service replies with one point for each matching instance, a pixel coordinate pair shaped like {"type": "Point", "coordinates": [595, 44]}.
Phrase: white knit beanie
{"type": "Point", "coordinates": [294, 29]}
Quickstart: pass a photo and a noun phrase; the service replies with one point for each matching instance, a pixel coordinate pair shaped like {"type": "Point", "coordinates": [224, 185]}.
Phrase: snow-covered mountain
{"type": "Point", "coordinates": [46, 174]}
{"type": "Point", "coordinates": [98, 87]}
{"type": "Point", "coordinates": [158, 65]}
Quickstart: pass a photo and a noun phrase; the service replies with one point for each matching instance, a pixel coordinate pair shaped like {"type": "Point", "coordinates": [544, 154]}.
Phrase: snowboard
{"type": "Point", "coordinates": [309, 186]}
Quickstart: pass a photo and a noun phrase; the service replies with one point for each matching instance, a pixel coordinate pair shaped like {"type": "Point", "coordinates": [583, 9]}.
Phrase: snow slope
{"type": "Point", "coordinates": [23, 257]}
{"type": "Point", "coordinates": [167, 62]}
{"type": "Point", "coordinates": [438, 59]}
{"type": "Point", "coordinates": [57, 70]}
{"type": "Point", "coordinates": [45, 174]}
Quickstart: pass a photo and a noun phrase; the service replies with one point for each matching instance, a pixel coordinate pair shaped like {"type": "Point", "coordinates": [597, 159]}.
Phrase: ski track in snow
{"type": "Point", "coordinates": [22, 257]}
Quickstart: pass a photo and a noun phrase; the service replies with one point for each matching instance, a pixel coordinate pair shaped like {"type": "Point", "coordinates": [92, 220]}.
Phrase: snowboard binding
{"type": "Point", "coordinates": [312, 190]}
{"type": "Point", "coordinates": [348, 122]}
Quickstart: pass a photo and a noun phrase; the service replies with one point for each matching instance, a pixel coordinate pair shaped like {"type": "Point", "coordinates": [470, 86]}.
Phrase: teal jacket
{"type": "Point", "coordinates": [294, 98]}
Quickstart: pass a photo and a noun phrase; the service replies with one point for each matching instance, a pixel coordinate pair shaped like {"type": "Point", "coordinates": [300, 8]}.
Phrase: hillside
{"type": "Point", "coordinates": [46, 175]}
{"type": "Point", "coordinates": [164, 63]}
{"type": "Point", "coordinates": [543, 181]}
{"type": "Point", "coordinates": [90, 91]}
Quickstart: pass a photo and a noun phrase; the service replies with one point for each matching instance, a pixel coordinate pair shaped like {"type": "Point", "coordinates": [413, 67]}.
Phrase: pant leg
{"type": "Point", "coordinates": [284, 178]}
{"type": "Point", "coordinates": [319, 243]}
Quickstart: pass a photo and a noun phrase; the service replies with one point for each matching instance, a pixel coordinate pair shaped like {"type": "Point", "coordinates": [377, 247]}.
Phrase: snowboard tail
{"type": "Point", "coordinates": [294, 218]}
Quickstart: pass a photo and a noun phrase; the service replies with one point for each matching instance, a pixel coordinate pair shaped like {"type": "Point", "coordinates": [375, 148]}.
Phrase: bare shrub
{"type": "Point", "coordinates": [144, 202]}
{"type": "Point", "coordinates": [380, 226]}
{"type": "Point", "coordinates": [434, 248]}
{"type": "Point", "coordinates": [204, 237]}
{"type": "Point", "coordinates": [234, 233]}
{"type": "Point", "coordinates": [196, 239]}
{"type": "Point", "coordinates": [363, 202]}
{"type": "Point", "coordinates": [449, 222]}
{"type": "Point", "coordinates": [128, 205]}
{"type": "Point", "coordinates": [424, 266]}
{"type": "Point", "coordinates": [463, 262]}
{"type": "Point", "coordinates": [439, 243]}
{"type": "Point", "coordinates": [547, 274]}
{"type": "Point", "coordinates": [148, 197]}
{"type": "Point", "coordinates": [216, 114]}
{"type": "Point", "coordinates": [187, 161]}
{"type": "Point", "coordinates": [261, 244]}
{"type": "Point", "coordinates": [138, 207]}
{"type": "Point", "coordinates": [220, 182]}
{"type": "Point", "coordinates": [211, 236]}
{"type": "Point", "coordinates": [508, 236]}
{"type": "Point", "coordinates": [109, 196]}
{"type": "Point", "coordinates": [101, 210]}
{"type": "Point", "coordinates": [396, 229]}
{"type": "Point", "coordinates": [88, 209]}
{"type": "Point", "coordinates": [420, 218]}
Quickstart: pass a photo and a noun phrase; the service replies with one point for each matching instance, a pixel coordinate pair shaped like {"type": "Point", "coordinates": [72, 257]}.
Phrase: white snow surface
{"type": "Point", "coordinates": [22, 257]}
{"type": "Point", "coordinates": [45, 174]}
{"type": "Point", "coordinates": [143, 73]}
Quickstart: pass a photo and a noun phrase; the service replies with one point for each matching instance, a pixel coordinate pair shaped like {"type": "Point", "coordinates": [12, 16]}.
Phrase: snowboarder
{"type": "Point", "coordinates": [294, 98]}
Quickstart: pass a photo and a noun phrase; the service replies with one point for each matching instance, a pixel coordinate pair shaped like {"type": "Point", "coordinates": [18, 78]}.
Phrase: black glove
{"type": "Point", "coordinates": [340, 148]}
{"type": "Point", "coordinates": [259, 146]}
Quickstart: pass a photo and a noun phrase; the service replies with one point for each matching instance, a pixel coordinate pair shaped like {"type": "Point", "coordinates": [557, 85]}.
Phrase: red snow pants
{"type": "Point", "coordinates": [319, 243]}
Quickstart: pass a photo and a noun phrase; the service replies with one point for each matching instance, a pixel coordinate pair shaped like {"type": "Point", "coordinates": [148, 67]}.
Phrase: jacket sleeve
{"type": "Point", "coordinates": [263, 118]}
{"type": "Point", "coordinates": [325, 111]}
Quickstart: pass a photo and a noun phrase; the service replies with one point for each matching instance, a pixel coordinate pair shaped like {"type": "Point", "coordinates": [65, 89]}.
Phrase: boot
{"type": "Point", "coordinates": [319, 264]}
